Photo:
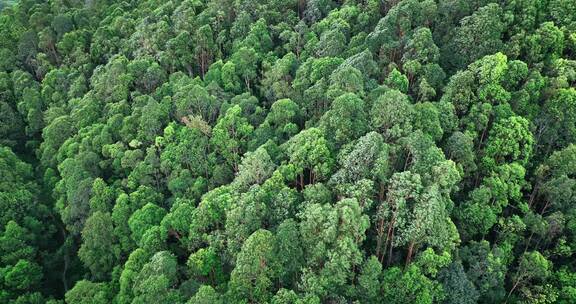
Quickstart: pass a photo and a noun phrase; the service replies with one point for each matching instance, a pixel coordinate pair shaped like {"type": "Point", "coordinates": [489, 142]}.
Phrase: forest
{"type": "Point", "coordinates": [287, 151]}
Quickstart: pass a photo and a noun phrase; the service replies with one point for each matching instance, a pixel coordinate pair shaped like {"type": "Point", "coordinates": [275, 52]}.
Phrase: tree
{"type": "Point", "coordinates": [331, 43]}
{"type": "Point", "coordinates": [180, 50]}
{"type": "Point", "coordinates": [16, 244]}
{"type": "Point", "coordinates": [154, 118]}
{"type": "Point", "coordinates": [230, 78]}
{"type": "Point", "coordinates": [532, 267]}
{"type": "Point", "coordinates": [331, 236]}
{"type": "Point", "coordinates": [308, 150]}
{"type": "Point", "coordinates": [460, 148]}
{"type": "Point", "coordinates": [246, 62]}
{"type": "Point", "coordinates": [286, 296]}
{"type": "Point", "coordinates": [147, 74]}
{"type": "Point", "coordinates": [10, 126]}
{"type": "Point", "coordinates": [205, 263]}
{"type": "Point", "coordinates": [99, 250]}
{"type": "Point", "coordinates": [397, 81]}
{"type": "Point", "coordinates": [102, 196]}
{"type": "Point", "coordinates": [230, 136]}
{"type": "Point", "coordinates": [194, 100]}
{"type": "Point", "coordinates": [457, 286]}
{"type": "Point", "coordinates": [244, 217]}
{"type": "Point", "coordinates": [345, 79]}
{"type": "Point", "coordinates": [255, 168]}
{"type": "Point", "coordinates": [205, 47]}
{"type": "Point", "coordinates": [26, 231]}
{"type": "Point", "coordinates": [554, 182]}
{"type": "Point", "coordinates": [431, 224]}
{"type": "Point", "coordinates": [206, 295]}
{"type": "Point", "coordinates": [556, 8]}
{"type": "Point", "coordinates": [277, 81]}
{"type": "Point", "coordinates": [210, 215]}
{"type": "Point", "coordinates": [153, 283]}
{"type": "Point", "coordinates": [397, 26]}
{"type": "Point", "coordinates": [111, 83]}
{"type": "Point", "coordinates": [509, 140]}
{"type": "Point", "coordinates": [409, 286]}
{"type": "Point", "coordinates": [289, 252]}
{"type": "Point", "coordinates": [186, 148]}
{"type": "Point", "coordinates": [18, 190]}
{"type": "Point", "coordinates": [369, 280]}
{"type": "Point", "coordinates": [427, 119]}
{"type": "Point", "coordinates": [255, 270]}
{"type": "Point", "coordinates": [280, 124]}
{"type": "Point", "coordinates": [486, 269]}
{"type": "Point", "coordinates": [345, 121]}
{"type": "Point", "coordinates": [482, 81]}
{"type": "Point", "coordinates": [478, 35]}
{"type": "Point", "coordinates": [420, 55]}
{"type": "Point", "coordinates": [136, 260]}
{"type": "Point", "coordinates": [414, 215]}
{"type": "Point", "coordinates": [144, 219]}
{"type": "Point", "coordinates": [368, 158]}
{"type": "Point", "coordinates": [258, 37]}
{"type": "Point", "coordinates": [392, 114]}
{"type": "Point", "coordinates": [24, 275]}
{"type": "Point", "coordinates": [85, 292]}
{"type": "Point", "coordinates": [555, 123]}
{"type": "Point", "coordinates": [546, 44]}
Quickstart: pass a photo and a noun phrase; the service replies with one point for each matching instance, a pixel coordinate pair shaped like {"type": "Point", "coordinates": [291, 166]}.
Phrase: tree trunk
{"type": "Point", "coordinates": [66, 261]}
{"type": "Point", "coordinates": [203, 63]}
{"type": "Point", "coordinates": [380, 234]}
{"type": "Point", "coordinates": [407, 160]}
{"type": "Point", "coordinates": [301, 8]}
{"type": "Point", "coordinates": [410, 252]}
{"type": "Point", "coordinates": [512, 290]}
{"type": "Point", "coordinates": [482, 137]}
{"type": "Point", "coordinates": [390, 250]}
{"type": "Point", "coordinates": [247, 82]}
{"type": "Point", "coordinates": [528, 241]}
{"type": "Point", "coordinates": [381, 192]}
{"type": "Point", "coordinates": [545, 207]}
{"type": "Point", "coordinates": [533, 195]}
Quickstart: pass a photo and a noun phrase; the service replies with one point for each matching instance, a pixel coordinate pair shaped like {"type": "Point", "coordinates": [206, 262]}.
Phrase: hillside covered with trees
{"type": "Point", "coordinates": [287, 151]}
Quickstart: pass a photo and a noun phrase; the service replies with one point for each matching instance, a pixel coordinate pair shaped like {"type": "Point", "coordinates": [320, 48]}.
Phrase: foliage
{"type": "Point", "coordinates": [219, 151]}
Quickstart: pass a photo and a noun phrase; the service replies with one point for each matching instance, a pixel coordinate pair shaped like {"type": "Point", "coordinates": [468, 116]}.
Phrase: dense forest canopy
{"type": "Point", "coordinates": [287, 151]}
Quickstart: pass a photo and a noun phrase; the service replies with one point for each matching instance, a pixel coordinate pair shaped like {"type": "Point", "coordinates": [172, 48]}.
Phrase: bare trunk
{"type": "Point", "coordinates": [528, 242]}
{"type": "Point", "coordinates": [407, 161]}
{"type": "Point", "coordinates": [513, 288]}
{"type": "Point", "coordinates": [203, 63]}
{"type": "Point", "coordinates": [390, 250]}
{"type": "Point", "coordinates": [533, 195]}
{"type": "Point", "coordinates": [247, 82]}
{"type": "Point", "coordinates": [545, 207]}
{"type": "Point", "coordinates": [380, 233]}
{"type": "Point", "coordinates": [66, 261]}
{"type": "Point", "coordinates": [482, 137]}
{"type": "Point", "coordinates": [55, 54]}
{"type": "Point", "coordinates": [301, 8]}
{"type": "Point", "coordinates": [410, 252]}
{"type": "Point", "coordinates": [389, 238]}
